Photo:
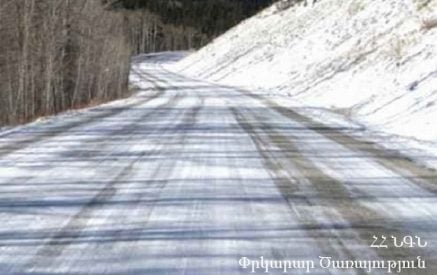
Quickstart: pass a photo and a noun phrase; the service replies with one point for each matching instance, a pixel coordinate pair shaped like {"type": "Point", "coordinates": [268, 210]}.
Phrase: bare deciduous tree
{"type": "Point", "coordinates": [56, 55]}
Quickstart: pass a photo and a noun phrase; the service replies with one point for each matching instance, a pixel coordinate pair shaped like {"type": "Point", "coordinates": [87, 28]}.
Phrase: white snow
{"type": "Point", "coordinates": [368, 62]}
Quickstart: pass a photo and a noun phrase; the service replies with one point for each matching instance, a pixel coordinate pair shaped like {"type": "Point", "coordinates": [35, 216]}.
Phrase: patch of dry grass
{"type": "Point", "coordinates": [429, 22]}
{"type": "Point", "coordinates": [355, 7]}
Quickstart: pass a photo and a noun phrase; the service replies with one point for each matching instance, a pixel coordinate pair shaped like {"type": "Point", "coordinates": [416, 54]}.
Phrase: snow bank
{"type": "Point", "coordinates": [372, 61]}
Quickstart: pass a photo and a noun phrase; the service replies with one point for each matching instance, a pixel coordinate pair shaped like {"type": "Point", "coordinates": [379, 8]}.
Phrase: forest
{"type": "Point", "coordinates": [59, 55]}
{"type": "Point", "coordinates": [65, 54]}
{"type": "Point", "coordinates": [158, 25]}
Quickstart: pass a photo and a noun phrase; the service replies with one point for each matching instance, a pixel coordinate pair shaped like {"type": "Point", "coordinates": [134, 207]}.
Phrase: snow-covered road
{"type": "Point", "coordinates": [189, 177]}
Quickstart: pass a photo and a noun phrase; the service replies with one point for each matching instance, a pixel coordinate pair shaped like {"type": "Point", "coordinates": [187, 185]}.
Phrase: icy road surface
{"type": "Point", "coordinates": [188, 177]}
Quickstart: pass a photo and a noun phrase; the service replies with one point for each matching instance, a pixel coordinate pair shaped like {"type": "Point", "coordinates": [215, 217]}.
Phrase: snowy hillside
{"type": "Point", "coordinates": [372, 61]}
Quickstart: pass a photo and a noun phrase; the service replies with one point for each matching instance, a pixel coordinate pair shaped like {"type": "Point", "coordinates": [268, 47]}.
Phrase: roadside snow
{"type": "Point", "coordinates": [145, 87]}
{"type": "Point", "coordinates": [371, 62]}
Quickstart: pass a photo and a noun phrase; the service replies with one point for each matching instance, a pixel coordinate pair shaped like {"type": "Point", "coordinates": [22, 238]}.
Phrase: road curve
{"type": "Point", "coordinates": [189, 177]}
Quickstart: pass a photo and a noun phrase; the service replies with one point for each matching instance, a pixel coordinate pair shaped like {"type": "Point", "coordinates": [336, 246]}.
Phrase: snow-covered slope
{"type": "Point", "coordinates": [372, 61]}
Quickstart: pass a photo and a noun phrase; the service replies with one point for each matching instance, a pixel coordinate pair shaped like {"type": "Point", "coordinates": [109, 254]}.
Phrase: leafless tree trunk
{"type": "Point", "coordinates": [61, 54]}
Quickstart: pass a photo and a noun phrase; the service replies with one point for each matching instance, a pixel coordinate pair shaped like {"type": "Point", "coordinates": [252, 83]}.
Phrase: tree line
{"type": "Point", "coordinates": [58, 55]}
{"type": "Point", "coordinates": [182, 24]}
{"type": "Point", "coordinates": [62, 54]}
